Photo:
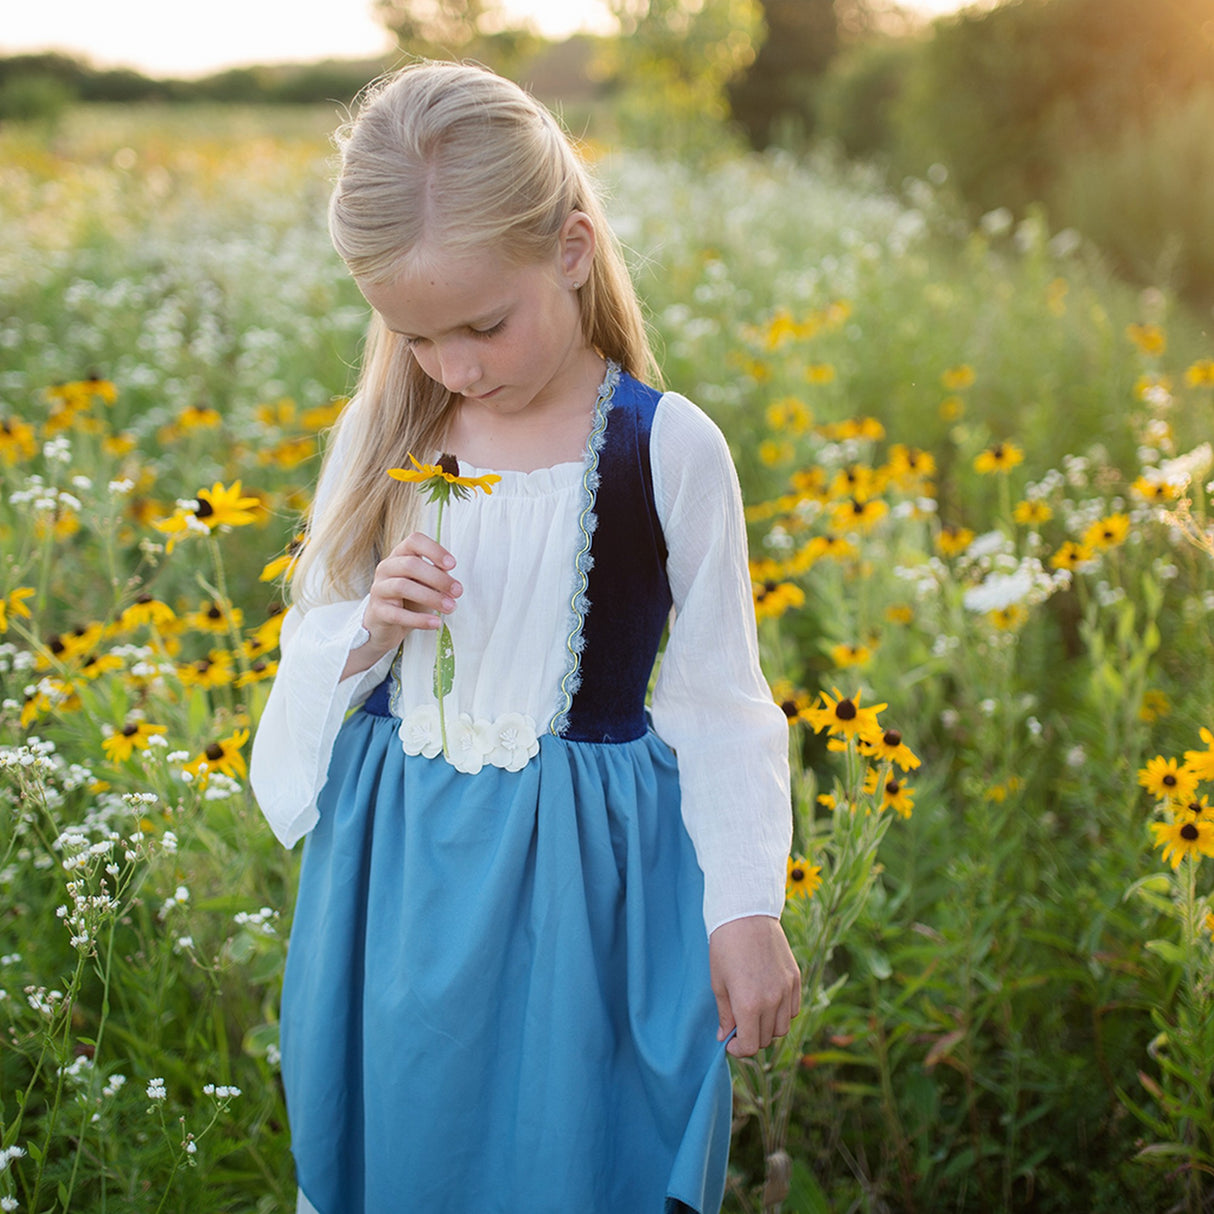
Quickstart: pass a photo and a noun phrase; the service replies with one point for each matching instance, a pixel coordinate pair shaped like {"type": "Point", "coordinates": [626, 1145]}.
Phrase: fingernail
{"type": "Point", "coordinates": [456, 588]}
{"type": "Point", "coordinates": [448, 562]}
{"type": "Point", "coordinates": [448, 604]}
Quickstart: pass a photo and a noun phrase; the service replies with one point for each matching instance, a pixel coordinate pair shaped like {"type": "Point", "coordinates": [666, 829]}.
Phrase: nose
{"type": "Point", "coordinates": [459, 367]}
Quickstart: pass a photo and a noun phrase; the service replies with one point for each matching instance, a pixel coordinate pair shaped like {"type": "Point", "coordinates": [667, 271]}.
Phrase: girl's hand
{"type": "Point", "coordinates": [756, 981]}
{"type": "Point", "coordinates": [412, 583]}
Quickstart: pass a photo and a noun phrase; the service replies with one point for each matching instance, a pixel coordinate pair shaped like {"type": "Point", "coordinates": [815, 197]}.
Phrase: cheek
{"type": "Point", "coordinates": [425, 358]}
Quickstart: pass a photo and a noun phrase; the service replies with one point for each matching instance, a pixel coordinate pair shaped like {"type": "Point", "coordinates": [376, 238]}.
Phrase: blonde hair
{"type": "Point", "coordinates": [466, 161]}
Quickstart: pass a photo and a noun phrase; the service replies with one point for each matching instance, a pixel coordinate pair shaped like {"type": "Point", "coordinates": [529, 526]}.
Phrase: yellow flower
{"type": "Point", "coordinates": [14, 605]}
{"type": "Point", "coordinates": [79, 393]}
{"type": "Point", "coordinates": [1032, 512]}
{"type": "Point", "coordinates": [211, 617]}
{"type": "Point", "coordinates": [909, 465]}
{"type": "Point", "coordinates": [217, 670]}
{"type": "Point", "coordinates": [1201, 762]}
{"type": "Point", "coordinates": [773, 599]}
{"type": "Point", "coordinates": [846, 655]}
{"type": "Point", "coordinates": [280, 414]}
{"type": "Point", "coordinates": [789, 414]}
{"type": "Point", "coordinates": [198, 417]}
{"type": "Point", "coordinates": [900, 613]}
{"type": "Point", "coordinates": [820, 373]}
{"type": "Point", "coordinates": [844, 717]}
{"type": "Point", "coordinates": [258, 672]}
{"type": "Point", "coordinates": [952, 408]}
{"type": "Point", "coordinates": [794, 703]}
{"type": "Point", "coordinates": [265, 636]}
{"type": "Point", "coordinates": [773, 452]}
{"type": "Point", "coordinates": [149, 611]}
{"type": "Point", "coordinates": [1002, 457]}
{"type": "Point", "coordinates": [803, 878]}
{"type": "Point", "coordinates": [856, 480]}
{"type": "Point", "coordinates": [956, 379]}
{"type": "Point", "coordinates": [324, 415]}
{"type": "Point", "coordinates": [1001, 792]}
{"type": "Point", "coordinates": [442, 480]}
{"type": "Point", "coordinates": [1167, 780]}
{"type": "Point", "coordinates": [889, 746]}
{"type": "Point", "coordinates": [827, 800]}
{"type": "Point", "coordinates": [284, 565]}
{"type": "Point", "coordinates": [858, 514]}
{"type": "Point", "coordinates": [1150, 339]}
{"type": "Point", "coordinates": [1189, 837]}
{"type": "Point", "coordinates": [1071, 555]}
{"type": "Point", "coordinates": [1200, 374]}
{"type": "Point", "coordinates": [222, 756]}
{"type": "Point", "coordinates": [1155, 705]}
{"type": "Point", "coordinates": [953, 541]}
{"type": "Point", "coordinates": [17, 440]}
{"type": "Point", "coordinates": [135, 735]}
{"type": "Point", "coordinates": [1008, 619]}
{"type": "Point", "coordinates": [1107, 532]}
{"type": "Point", "coordinates": [225, 507]}
{"type": "Point", "coordinates": [894, 794]}
{"type": "Point", "coordinates": [1149, 490]}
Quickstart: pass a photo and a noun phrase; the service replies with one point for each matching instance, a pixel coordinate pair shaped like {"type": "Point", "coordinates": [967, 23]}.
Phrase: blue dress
{"type": "Point", "coordinates": [497, 992]}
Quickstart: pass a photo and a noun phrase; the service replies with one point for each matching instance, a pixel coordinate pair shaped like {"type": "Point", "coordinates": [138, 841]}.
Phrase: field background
{"type": "Point", "coordinates": [974, 446]}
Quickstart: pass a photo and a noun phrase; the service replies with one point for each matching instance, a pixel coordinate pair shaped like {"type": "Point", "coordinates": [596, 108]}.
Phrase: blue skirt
{"type": "Point", "coordinates": [497, 995]}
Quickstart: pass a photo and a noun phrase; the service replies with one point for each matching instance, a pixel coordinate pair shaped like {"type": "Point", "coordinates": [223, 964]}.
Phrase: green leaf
{"type": "Point", "coordinates": [1168, 950]}
{"type": "Point", "coordinates": [444, 663]}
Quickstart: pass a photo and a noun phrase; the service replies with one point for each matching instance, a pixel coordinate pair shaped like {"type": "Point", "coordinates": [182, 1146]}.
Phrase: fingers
{"type": "Point", "coordinates": [412, 588]}
{"type": "Point", "coordinates": [756, 982]}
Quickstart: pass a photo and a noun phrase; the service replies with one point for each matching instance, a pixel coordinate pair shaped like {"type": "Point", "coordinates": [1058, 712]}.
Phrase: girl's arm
{"type": "Point", "coordinates": [714, 707]}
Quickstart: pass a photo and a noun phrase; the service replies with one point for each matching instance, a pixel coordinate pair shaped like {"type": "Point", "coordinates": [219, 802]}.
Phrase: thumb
{"type": "Point", "coordinates": [724, 1015]}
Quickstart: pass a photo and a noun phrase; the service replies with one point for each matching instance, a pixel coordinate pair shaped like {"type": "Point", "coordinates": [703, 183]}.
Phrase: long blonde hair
{"type": "Point", "coordinates": [457, 156]}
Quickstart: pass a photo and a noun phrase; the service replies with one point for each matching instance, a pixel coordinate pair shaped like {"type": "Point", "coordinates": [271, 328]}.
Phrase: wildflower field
{"type": "Point", "coordinates": [977, 472]}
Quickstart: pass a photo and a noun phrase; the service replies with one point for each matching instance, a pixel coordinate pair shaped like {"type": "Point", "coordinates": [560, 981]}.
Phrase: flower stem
{"type": "Point", "coordinates": [438, 654]}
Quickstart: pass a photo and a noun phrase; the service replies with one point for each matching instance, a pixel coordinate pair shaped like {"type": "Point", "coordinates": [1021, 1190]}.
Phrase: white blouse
{"type": "Point", "coordinates": [516, 558]}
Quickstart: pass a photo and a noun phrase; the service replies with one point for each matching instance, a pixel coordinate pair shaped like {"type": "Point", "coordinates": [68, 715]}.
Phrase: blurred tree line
{"type": "Point", "coordinates": [1100, 110]}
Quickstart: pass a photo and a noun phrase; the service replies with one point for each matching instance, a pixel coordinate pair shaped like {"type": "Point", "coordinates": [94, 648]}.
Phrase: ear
{"type": "Point", "coordinates": [577, 241]}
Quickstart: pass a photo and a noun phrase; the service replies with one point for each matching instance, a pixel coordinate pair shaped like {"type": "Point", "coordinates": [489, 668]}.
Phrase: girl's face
{"type": "Point", "coordinates": [504, 337]}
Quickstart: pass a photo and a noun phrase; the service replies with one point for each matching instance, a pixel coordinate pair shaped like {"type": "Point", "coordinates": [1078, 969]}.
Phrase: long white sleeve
{"type": "Point", "coordinates": [711, 702]}
{"type": "Point", "coordinates": [308, 702]}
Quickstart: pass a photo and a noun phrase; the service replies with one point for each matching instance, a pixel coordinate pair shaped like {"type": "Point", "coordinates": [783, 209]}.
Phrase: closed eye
{"type": "Point", "coordinates": [493, 329]}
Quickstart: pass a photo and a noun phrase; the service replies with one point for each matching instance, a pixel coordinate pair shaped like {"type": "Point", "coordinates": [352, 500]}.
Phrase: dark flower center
{"type": "Point", "coordinates": [1169, 780]}
{"type": "Point", "coordinates": [449, 464]}
{"type": "Point", "coordinates": [1195, 807]}
{"type": "Point", "coordinates": [55, 644]}
{"type": "Point", "coordinates": [797, 874]}
{"type": "Point", "coordinates": [790, 708]}
{"type": "Point", "coordinates": [893, 787]}
{"type": "Point", "coordinates": [1189, 832]}
{"type": "Point", "coordinates": [845, 710]}
{"type": "Point", "coordinates": [214, 751]}
{"type": "Point", "coordinates": [258, 667]}
{"type": "Point", "coordinates": [213, 613]}
{"type": "Point", "coordinates": [144, 599]}
{"type": "Point", "coordinates": [205, 509]}
{"type": "Point", "coordinates": [129, 731]}
{"type": "Point", "coordinates": [202, 665]}
{"type": "Point", "coordinates": [892, 737]}
{"type": "Point", "coordinates": [997, 452]}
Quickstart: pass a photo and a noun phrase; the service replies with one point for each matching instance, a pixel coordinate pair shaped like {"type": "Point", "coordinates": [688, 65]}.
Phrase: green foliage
{"type": "Point", "coordinates": [34, 98]}
{"type": "Point", "coordinates": [859, 92]}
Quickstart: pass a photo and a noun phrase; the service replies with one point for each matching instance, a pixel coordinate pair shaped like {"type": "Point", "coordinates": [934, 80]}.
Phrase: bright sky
{"type": "Point", "coordinates": [160, 37]}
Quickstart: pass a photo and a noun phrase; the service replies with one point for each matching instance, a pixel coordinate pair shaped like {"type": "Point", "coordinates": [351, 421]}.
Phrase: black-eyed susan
{"type": "Point", "coordinates": [803, 878]}
{"type": "Point", "coordinates": [1072, 555]}
{"type": "Point", "coordinates": [284, 565]}
{"type": "Point", "coordinates": [227, 506]}
{"type": "Point", "coordinates": [1198, 807]}
{"type": "Point", "coordinates": [900, 613]}
{"type": "Point", "coordinates": [1184, 837]}
{"type": "Point", "coordinates": [1151, 490]}
{"type": "Point", "coordinates": [266, 634]}
{"type": "Point", "coordinates": [1201, 762]}
{"type": "Point", "coordinates": [1200, 374]}
{"type": "Point", "coordinates": [789, 415]}
{"type": "Point", "coordinates": [212, 617]}
{"type": "Point", "coordinates": [1032, 512]}
{"type": "Point", "coordinates": [1010, 618]}
{"type": "Point", "coordinates": [811, 484]}
{"type": "Point", "coordinates": [147, 610]}
{"type": "Point", "coordinates": [952, 408]}
{"type": "Point", "coordinates": [828, 546]}
{"type": "Point", "coordinates": [120, 744]}
{"type": "Point", "coordinates": [279, 414]}
{"type": "Point", "coordinates": [1107, 532]}
{"type": "Point", "coordinates": [953, 541]}
{"type": "Point", "coordinates": [1167, 780]}
{"type": "Point", "coordinates": [217, 670]}
{"type": "Point", "coordinates": [773, 599]}
{"type": "Point", "coordinates": [1150, 339]}
{"type": "Point", "coordinates": [793, 702]}
{"type": "Point", "coordinates": [855, 481]}
{"type": "Point", "coordinates": [896, 795]}
{"type": "Point", "coordinates": [889, 746]}
{"type": "Point", "coordinates": [442, 481]}
{"type": "Point", "coordinates": [260, 669]}
{"type": "Point", "coordinates": [909, 466]}
{"type": "Point", "coordinates": [828, 800]}
{"type": "Point", "coordinates": [957, 379]}
{"type": "Point", "coordinates": [289, 453]}
{"type": "Point", "coordinates": [198, 417]}
{"type": "Point", "coordinates": [323, 416]}
{"type": "Point", "coordinates": [80, 393]}
{"type": "Point", "coordinates": [820, 373]}
{"type": "Point", "coordinates": [1000, 791]}
{"type": "Point", "coordinates": [1002, 457]}
{"type": "Point", "coordinates": [776, 451]}
{"type": "Point", "coordinates": [223, 756]}
{"type": "Point", "coordinates": [1154, 707]}
{"type": "Point", "coordinates": [18, 441]}
{"type": "Point", "coordinates": [850, 654]}
{"type": "Point", "coordinates": [13, 606]}
{"type": "Point", "coordinates": [95, 664]}
{"type": "Point", "coordinates": [843, 716]}
{"type": "Point", "coordinates": [858, 514]}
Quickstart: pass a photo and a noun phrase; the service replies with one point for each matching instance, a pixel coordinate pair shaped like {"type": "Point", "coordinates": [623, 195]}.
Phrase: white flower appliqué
{"type": "Point", "coordinates": [507, 742]}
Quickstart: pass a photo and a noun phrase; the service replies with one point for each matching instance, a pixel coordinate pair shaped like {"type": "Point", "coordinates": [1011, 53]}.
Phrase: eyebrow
{"type": "Point", "coordinates": [483, 321]}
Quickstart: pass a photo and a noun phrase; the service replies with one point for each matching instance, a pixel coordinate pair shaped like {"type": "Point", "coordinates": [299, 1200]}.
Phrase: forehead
{"type": "Point", "coordinates": [441, 292]}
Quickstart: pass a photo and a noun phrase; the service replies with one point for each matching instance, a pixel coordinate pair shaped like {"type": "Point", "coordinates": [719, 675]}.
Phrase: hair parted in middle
{"type": "Point", "coordinates": [446, 159]}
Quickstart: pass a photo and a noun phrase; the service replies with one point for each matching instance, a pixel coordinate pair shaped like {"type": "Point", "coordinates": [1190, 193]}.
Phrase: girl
{"type": "Point", "coordinates": [515, 957]}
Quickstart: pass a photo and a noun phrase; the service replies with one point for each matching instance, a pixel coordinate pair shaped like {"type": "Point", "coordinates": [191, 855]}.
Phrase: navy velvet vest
{"type": "Point", "coordinates": [628, 591]}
